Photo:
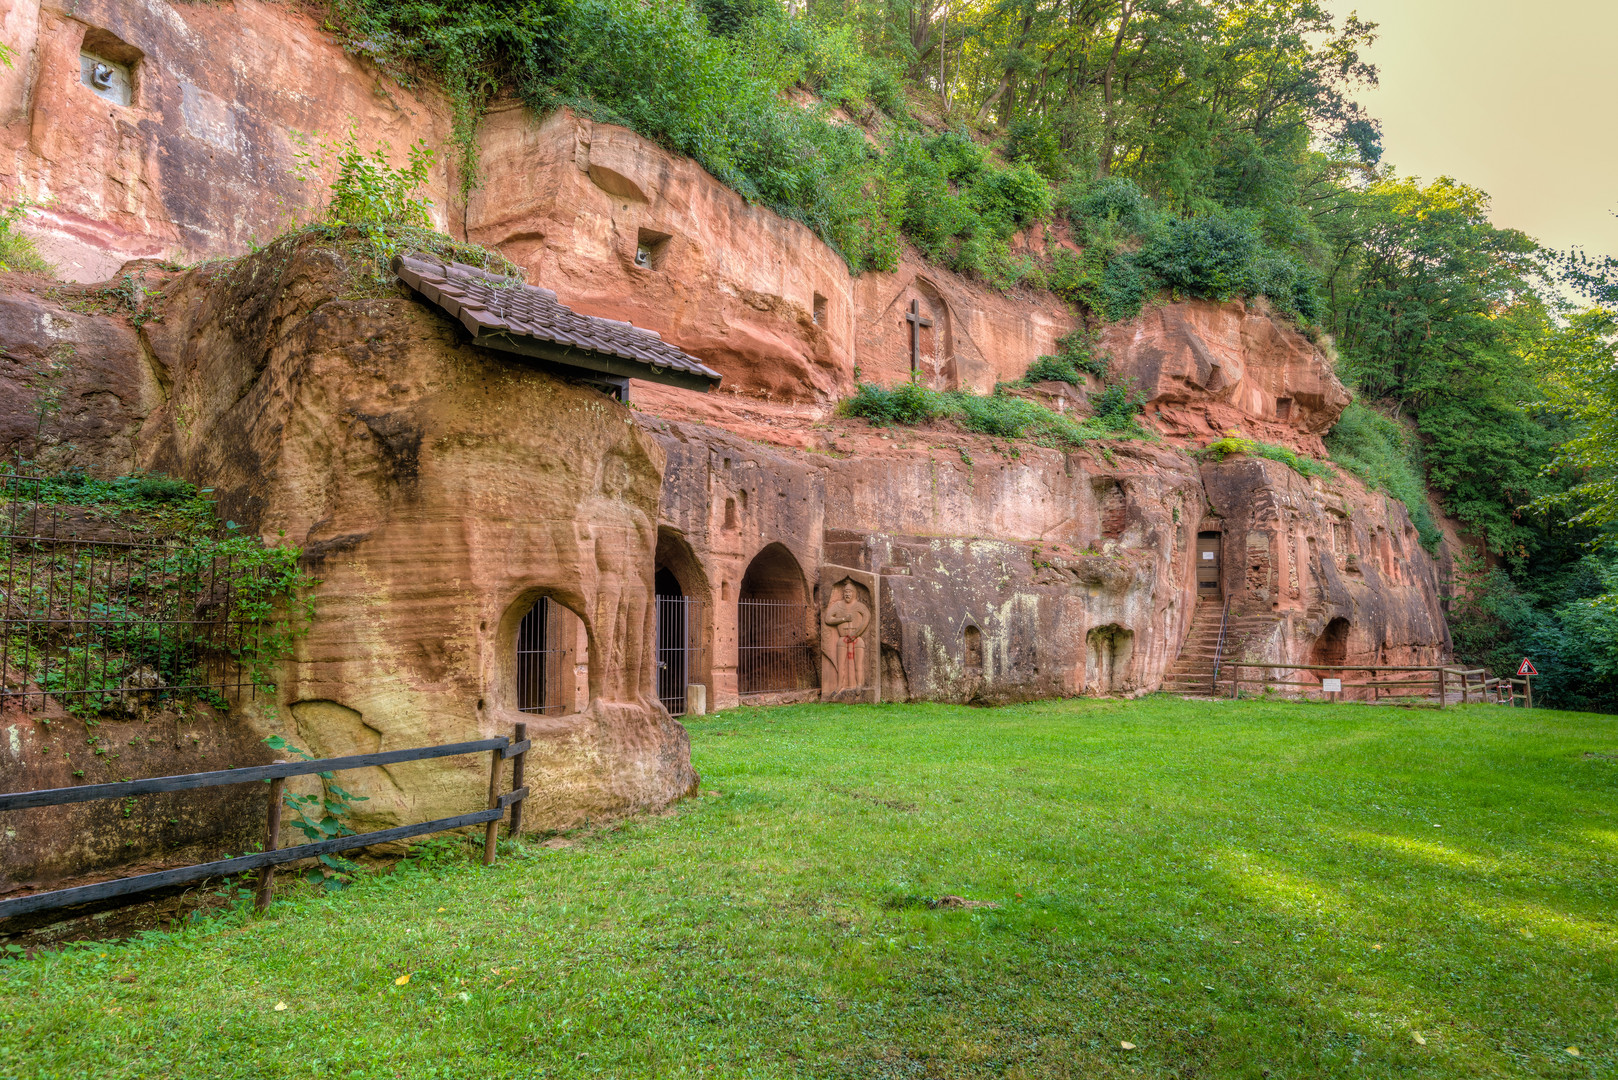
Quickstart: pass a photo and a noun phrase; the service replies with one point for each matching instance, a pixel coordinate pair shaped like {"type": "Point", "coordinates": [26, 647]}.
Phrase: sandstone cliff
{"type": "Point", "coordinates": [438, 489]}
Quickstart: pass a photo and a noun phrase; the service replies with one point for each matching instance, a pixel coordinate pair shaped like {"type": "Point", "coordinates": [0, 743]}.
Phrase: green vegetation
{"type": "Point", "coordinates": [1219, 449]}
{"type": "Point", "coordinates": [1001, 414]}
{"type": "Point", "coordinates": [1233, 889]}
{"type": "Point", "coordinates": [17, 250]}
{"type": "Point", "coordinates": [375, 211]}
{"type": "Point", "coordinates": [1381, 452]}
{"type": "Point", "coordinates": [94, 624]}
{"type": "Point", "coordinates": [1075, 358]}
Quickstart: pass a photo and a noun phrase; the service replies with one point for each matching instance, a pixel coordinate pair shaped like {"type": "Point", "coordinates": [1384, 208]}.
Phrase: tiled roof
{"type": "Point", "coordinates": [503, 314]}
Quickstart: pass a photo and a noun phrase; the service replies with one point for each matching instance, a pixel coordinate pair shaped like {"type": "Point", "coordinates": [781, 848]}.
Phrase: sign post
{"type": "Point", "coordinates": [1527, 670]}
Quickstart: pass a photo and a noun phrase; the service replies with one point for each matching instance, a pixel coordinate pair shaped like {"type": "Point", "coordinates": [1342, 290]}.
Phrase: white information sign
{"type": "Point", "coordinates": [1331, 686]}
{"type": "Point", "coordinates": [1207, 556]}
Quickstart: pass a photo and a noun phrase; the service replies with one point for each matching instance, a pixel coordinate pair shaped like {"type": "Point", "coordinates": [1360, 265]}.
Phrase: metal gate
{"type": "Point", "coordinates": [777, 647]}
{"type": "Point", "coordinates": [546, 641]}
{"type": "Point", "coordinates": [679, 650]}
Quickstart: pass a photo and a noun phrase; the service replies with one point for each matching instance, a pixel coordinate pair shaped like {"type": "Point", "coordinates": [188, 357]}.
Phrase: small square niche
{"type": "Point", "coordinates": [651, 248]}
{"type": "Point", "coordinates": [820, 310]}
{"type": "Point", "coordinates": [107, 65]}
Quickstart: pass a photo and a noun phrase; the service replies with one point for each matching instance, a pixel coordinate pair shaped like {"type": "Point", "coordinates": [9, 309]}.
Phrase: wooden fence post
{"type": "Point", "coordinates": [493, 827]}
{"type": "Point", "coordinates": [272, 840]}
{"type": "Point", "coordinates": [1443, 686]}
{"type": "Point", "coordinates": [517, 769]}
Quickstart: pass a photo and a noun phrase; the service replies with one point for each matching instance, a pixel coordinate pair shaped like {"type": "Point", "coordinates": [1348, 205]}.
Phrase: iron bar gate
{"type": "Point", "coordinates": [108, 601]}
{"type": "Point", "coordinates": [777, 646]}
{"type": "Point", "coordinates": [679, 650]}
{"type": "Point", "coordinates": [547, 639]}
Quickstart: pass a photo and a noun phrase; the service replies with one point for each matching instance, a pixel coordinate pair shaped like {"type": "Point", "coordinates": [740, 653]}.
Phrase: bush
{"type": "Point", "coordinates": [1075, 358]}
{"type": "Point", "coordinates": [999, 414]}
{"type": "Point", "coordinates": [17, 250]}
{"type": "Point", "coordinates": [1382, 453]}
{"type": "Point", "coordinates": [1236, 444]}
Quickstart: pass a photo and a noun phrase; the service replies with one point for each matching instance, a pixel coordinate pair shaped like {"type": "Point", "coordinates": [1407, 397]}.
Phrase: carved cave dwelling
{"type": "Point", "coordinates": [621, 492]}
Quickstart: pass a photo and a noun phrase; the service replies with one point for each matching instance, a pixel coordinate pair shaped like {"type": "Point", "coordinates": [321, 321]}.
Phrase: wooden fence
{"type": "Point", "coordinates": [1399, 683]}
{"type": "Point", "coordinates": [500, 748]}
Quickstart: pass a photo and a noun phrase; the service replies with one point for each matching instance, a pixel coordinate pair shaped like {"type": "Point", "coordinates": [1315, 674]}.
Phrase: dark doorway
{"type": "Point", "coordinates": [1208, 578]}
{"type": "Point", "coordinates": [679, 621]}
{"type": "Point", "coordinates": [777, 638]}
{"type": "Point", "coordinates": [1331, 647]}
{"type": "Point", "coordinates": [547, 639]}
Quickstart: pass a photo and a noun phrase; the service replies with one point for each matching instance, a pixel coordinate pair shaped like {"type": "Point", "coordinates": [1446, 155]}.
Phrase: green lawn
{"type": "Point", "coordinates": [1243, 889]}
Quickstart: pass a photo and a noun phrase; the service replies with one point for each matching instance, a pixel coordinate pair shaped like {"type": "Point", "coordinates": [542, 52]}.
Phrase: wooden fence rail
{"type": "Point", "coordinates": [500, 747]}
{"type": "Point", "coordinates": [1443, 678]}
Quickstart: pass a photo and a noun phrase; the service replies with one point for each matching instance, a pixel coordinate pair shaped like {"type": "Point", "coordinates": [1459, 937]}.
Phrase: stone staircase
{"type": "Point", "coordinates": [1192, 673]}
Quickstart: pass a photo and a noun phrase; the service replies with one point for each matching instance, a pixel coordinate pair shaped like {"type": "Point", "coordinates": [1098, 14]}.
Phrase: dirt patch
{"type": "Point", "coordinates": [866, 796]}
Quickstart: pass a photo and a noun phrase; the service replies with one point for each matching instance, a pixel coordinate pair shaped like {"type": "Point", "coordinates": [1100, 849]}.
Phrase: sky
{"type": "Point", "coordinates": [1516, 97]}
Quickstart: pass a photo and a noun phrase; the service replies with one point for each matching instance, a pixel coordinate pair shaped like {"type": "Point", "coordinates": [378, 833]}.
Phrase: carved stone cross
{"type": "Point", "coordinates": [916, 320]}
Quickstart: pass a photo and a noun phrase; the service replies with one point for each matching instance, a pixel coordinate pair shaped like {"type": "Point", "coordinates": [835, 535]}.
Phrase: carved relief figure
{"type": "Point", "coordinates": [847, 618]}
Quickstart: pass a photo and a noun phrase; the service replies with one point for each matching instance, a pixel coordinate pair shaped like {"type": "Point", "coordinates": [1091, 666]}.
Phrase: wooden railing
{"type": "Point", "coordinates": [500, 749]}
{"type": "Point", "coordinates": [1407, 681]}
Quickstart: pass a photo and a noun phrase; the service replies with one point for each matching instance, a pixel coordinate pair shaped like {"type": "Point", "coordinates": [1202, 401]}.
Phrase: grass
{"type": "Point", "coordinates": [1238, 890]}
{"type": "Point", "coordinates": [999, 414]}
{"type": "Point", "coordinates": [1235, 444]}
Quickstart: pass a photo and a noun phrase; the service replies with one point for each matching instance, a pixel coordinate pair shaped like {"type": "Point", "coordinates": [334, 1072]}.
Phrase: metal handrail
{"type": "Point", "coordinates": [1219, 646]}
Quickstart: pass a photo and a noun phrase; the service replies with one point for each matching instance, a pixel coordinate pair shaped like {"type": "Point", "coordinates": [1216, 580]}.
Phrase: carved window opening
{"type": "Point", "coordinates": [547, 650]}
{"type": "Point", "coordinates": [651, 248]}
{"type": "Point", "coordinates": [820, 310]}
{"type": "Point", "coordinates": [972, 648]}
{"type": "Point", "coordinates": [1283, 408]}
{"type": "Point", "coordinates": [731, 521]}
{"type": "Point", "coordinates": [1112, 507]}
{"type": "Point", "coordinates": [109, 66]}
{"type": "Point", "coordinates": [777, 627]}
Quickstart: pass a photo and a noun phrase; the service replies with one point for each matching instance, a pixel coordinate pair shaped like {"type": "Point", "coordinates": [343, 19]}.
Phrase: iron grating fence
{"type": "Point", "coordinates": [777, 646]}
{"type": "Point", "coordinates": [680, 656]}
{"type": "Point", "coordinates": [108, 608]}
{"type": "Point", "coordinates": [547, 640]}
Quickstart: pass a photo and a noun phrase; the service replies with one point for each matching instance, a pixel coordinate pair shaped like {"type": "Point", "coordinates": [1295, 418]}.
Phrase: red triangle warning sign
{"type": "Point", "coordinates": [1526, 667]}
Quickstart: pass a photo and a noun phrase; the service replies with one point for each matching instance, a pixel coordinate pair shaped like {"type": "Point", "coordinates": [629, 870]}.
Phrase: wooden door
{"type": "Point", "coordinates": [1208, 580]}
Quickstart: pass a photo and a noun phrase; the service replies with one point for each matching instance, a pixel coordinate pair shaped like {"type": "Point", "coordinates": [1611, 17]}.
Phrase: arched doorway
{"type": "Point", "coordinates": [777, 643]}
{"type": "Point", "coordinates": [547, 648]}
{"type": "Point", "coordinates": [681, 592]}
{"type": "Point", "coordinates": [1331, 647]}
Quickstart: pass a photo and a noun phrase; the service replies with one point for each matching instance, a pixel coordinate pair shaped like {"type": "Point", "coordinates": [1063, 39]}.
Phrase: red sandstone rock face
{"type": "Point", "coordinates": [202, 161]}
{"type": "Point", "coordinates": [1212, 367]}
{"type": "Point", "coordinates": [436, 489]}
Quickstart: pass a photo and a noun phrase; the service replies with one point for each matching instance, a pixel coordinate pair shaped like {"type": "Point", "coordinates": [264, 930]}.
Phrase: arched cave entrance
{"type": "Point", "coordinates": [1107, 662]}
{"type": "Point", "coordinates": [1331, 647]}
{"type": "Point", "coordinates": [777, 639]}
{"type": "Point", "coordinates": [684, 624]}
{"type": "Point", "coordinates": [547, 649]}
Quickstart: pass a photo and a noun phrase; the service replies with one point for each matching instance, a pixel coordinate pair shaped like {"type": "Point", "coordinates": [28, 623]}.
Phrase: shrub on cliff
{"type": "Point", "coordinates": [1234, 443]}
{"type": "Point", "coordinates": [17, 250]}
{"type": "Point", "coordinates": [1381, 452]}
{"type": "Point", "coordinates": [1000, 414]}
{"type": "Point", "coordinates": [1075, 357]}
